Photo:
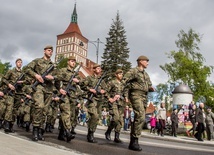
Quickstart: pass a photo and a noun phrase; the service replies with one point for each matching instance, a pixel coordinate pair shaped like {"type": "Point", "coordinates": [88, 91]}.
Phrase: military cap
{"type": "Point", "coordinates": [119, 71]}
{"type": "Point", "coordinates": [142, 57]}
{"type": "Point", "coordinates": [48, 47]}
{"type": "Point", "coordinates": [19, 59]}
{"type": "Point", "coordinates": [72, 58]}
{"type": "Point", "coordinates": [95, 66]}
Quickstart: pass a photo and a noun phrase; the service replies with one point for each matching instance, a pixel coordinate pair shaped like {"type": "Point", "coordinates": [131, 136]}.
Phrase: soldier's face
{"type": "Point", "coordinates": [19, 64]}
{"type": "Point", "coordinates": [72, 63]}
{"type": "Point", "coordinates": [119, 76]}
{"type": "Point", "coordinates": [97, 70]}
{"type": "Point", "coordinates": [48, 53]}
{"type": "Point", "coordinates": [144, 63]}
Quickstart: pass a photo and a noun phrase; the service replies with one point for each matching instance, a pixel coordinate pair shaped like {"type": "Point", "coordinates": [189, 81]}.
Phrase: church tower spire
{"type": "Point", "coordinates": [74, 15]}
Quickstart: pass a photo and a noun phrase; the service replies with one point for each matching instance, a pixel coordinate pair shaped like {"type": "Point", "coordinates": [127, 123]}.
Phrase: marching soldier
{"type": "Point", "coordinates": [88, 85]}
{"type": "Point", "coordinates": [140, 85]}
{"type": "Point", "coordinates": [116, 106]}
{"type": "Point", "coordinates": [69, 98]}
{"type": "Point", "coordinates": [2, 108]}
{"type": "Point", "coordinates": [42, 94]}
{"type": "Point", "coordinates": [12, 77]}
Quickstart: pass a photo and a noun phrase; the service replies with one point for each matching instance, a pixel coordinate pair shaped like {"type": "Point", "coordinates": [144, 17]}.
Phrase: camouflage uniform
{"type": "Point", "coordinates": [69, 103]}
{"type": "Point", "coordinates": [11, 102]}
{"type": "Point", "coordinates": [93, 106]}
{"type": "Point", "coordinates": [116, 109]}
{"type": "Point", "coordinates": [139, 87]}
{"type": "Point", "coordinates": [42, 96]}
{"type": "Point", "coordinates": [2, 109]}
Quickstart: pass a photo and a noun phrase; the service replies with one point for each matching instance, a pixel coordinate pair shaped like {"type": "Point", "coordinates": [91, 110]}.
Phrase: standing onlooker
{"type": "Point", "coordinates": [126, 118]}
{"type": "Point", "coordinates": [192, 108]}
{"type": "Point", "coordinates": [162, 118]}
{"type": "Point", "coordinates": [209, 120]}
{"type": "Point", "coordinates": [174, 119]}
{"type": "Point", "coordinates": [104, 117]}
{"type": "Point", "coordinates": [153, 123]}
{"type": "Point", "coordinates": [200, 122]}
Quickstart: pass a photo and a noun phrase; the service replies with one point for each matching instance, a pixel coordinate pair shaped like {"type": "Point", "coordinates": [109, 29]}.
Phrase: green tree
{"type": "Point", "coordinates": [4, 67]}
{"type": "Point", "coordinates": [188, 66]}
{"type": "Point", "coordinates": [116, 52]}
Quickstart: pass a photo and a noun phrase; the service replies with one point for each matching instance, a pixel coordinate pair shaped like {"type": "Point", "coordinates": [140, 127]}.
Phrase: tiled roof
{"type": "Point", "coordinates": [73, 27]}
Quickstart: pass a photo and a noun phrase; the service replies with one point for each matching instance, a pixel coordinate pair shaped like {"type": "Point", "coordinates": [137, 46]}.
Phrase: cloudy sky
{"type": "Point", "coordinates": [152, 26]}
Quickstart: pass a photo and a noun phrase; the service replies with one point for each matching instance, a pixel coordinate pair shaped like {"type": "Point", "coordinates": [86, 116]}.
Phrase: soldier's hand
{"type": "Point", "coordinates": [76, 80]}
{"type": "Point", "coordinates": [111, 100]}
{"type": "Point", "coordinates": [93, 91]}
{"type": "Point", "coordinates": [49, 77]}
{"type": "Point", "coordinates": [20, 82]}
{"type": "Point", "coordinates": [62, 91]}
{"type": "Point", "coordinates": [39, 78]}
{"type": "Point", "coordinates": [1, 93]}
{"type": "Point", "coordinates": [56, 98]}
{"type": "Point", "coordinates": [102, 91]}
{"type": "Point", "coordinates": [117, 97]}
{"type": "Point", "coordinates": [11, 86]}
{"type": "Point", "coordinates": [126, 100]}
{"type": "Point", "coordinates": [28, 96]}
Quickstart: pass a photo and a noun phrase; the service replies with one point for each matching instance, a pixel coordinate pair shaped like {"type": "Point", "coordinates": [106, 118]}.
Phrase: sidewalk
{"type": "Point", "coordinates": [12, 145]}
{"type": "Point", "coordinates": [181, 139]}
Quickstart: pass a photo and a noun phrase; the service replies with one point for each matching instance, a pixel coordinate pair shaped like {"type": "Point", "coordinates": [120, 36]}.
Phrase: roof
{"type": "Point", "coordinates": [73, 27]}
{"type": "Point", "coordinates": [182, 89]}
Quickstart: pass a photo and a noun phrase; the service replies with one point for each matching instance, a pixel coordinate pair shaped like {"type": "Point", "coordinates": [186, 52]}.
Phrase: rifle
{"type": "Point", "coordinates": [51, 68]}
{"type": "Point", "coordinates": [11, 92]}
{"type": "Point", "coordinates": [69, 86]}
{"type": "Point", "coordinates": [96, 88]}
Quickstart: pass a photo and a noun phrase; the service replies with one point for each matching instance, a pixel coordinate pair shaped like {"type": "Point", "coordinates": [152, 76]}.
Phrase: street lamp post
{"type": "Point", "coordinates": [97, 47]}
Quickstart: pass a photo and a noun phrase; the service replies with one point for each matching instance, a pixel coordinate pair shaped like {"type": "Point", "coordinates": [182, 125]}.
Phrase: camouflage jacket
{"type": "Point", "coordinates": [62, 78]}
{"type": "Point", "coordinates": [10, 78]}
{"type": "Point", "coordinates": [139, 80]}
{"type": "Point", "coordinates": [90, 82]}
{"type": "Point", "coordinates": [39, 66]}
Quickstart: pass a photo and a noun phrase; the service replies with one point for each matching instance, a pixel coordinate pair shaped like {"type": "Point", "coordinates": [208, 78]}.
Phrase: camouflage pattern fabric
{"type": "Point", "coordinates": [139, 87]}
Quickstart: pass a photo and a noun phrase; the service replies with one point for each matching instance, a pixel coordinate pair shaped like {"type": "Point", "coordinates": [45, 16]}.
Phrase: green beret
{"type": "Point", "coordinates": [48, 47]}
{"type": "Point", "coordinates": [142, 57]}
{"type": "Point", "coordinates": [95, 66]}
{"type": "Point", "coordinates": [119, 71]}
{"type": "Point", "coordinates": [72, 58]}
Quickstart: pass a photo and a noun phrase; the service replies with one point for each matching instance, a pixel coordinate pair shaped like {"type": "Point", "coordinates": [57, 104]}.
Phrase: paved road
{"type": "Point", "coordinates": [20, 143]}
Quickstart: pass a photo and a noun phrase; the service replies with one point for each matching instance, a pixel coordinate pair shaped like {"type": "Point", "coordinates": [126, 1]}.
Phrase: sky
{"type": "Point", "coordinates": [152, 26]}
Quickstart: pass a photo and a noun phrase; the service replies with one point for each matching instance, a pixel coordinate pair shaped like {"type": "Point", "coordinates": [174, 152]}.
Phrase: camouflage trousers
{"type": "Point", "coordinates": [117, 113]}
{"type": "Point", "coordinates": [65, 110]}
{"type": "Point", "coordinates": [27, 112]}
{"type": "Point", "coordinates": [138, 102]}
{"type": "Point", "coordinates": [74, 115]}
{"type": "Point", "coordinates": [52, 113]}
{"type": "Point", "coordinates": [42, 100]}
{"type": "Point", "coordinates": [2, 108]}
{"type": "Point", "coordinates": [9, 103]}
{"type": "Point", "coordinates": [93, 113]}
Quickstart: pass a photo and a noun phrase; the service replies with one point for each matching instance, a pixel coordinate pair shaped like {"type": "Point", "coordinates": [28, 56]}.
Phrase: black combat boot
{"type": "Point", "coordinates": [90, 137]}
{"type": "Point", "coordinates": [27, 126]}
{"type": "Point", "coordinates": [72, 131]}
{"type": "Point", "coordinates": [40, 134]}
{"type": "Point", "coordinates": [69, 136]}
{"type": "Point", "coordinates": [117, 139]}
{"type": "Point", "coordinates": [108, 133]}
{"type": "Point", "coordinates": [35, 133]}
{"type": "Point", "coordinates": [47, 127]}
{"type": "Point", "coordinates": [11, 127]}
{"type": "Point", "coordinates": [61, 135]}
{"type": "Point", "coordinates": [1, 125]}
{"type": "Point", "coordinates": [133, 145]}
{"type": "Point", "coordinates": [6, 126]}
